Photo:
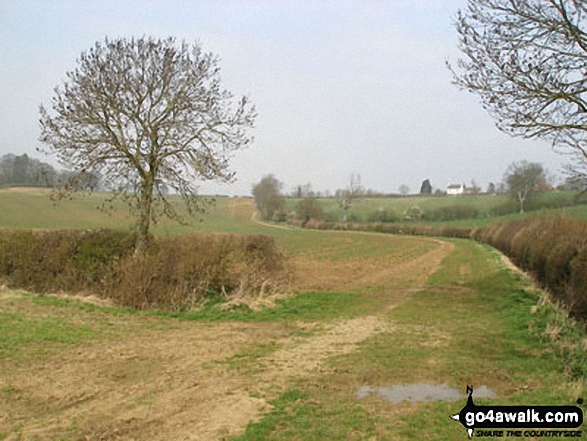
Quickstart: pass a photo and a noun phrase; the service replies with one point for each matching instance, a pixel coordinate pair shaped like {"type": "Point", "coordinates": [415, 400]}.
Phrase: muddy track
{"type": "Point", "coordinates": [179, 384]}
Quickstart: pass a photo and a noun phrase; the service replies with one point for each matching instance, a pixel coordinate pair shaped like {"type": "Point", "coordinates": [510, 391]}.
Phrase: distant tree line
{"type": "Point", "coordinates": [24, 171]}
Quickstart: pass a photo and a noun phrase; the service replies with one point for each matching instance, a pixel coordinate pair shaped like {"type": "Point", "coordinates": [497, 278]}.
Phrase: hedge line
{"type": "Point", "coordinates": [173, 275]}
{"type": "Point", "coordinates": [553, 250]}
{"type": "Point", "coordinates": [408, 229]}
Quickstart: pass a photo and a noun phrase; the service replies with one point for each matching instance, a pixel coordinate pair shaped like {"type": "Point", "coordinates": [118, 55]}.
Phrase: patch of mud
{"type": "Point", "coordinates": [421, 392]}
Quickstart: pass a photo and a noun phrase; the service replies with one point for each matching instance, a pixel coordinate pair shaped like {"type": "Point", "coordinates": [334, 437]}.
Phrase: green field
{"type": "Point", "coordinates": [485, 204]}
{"type": "Point", "coordinates": [364, 310]}
{"type": "Point", "coordinates": [32, 208]}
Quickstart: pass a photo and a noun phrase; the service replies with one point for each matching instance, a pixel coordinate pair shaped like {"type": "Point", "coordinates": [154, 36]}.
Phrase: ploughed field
{"type": "Point", "coordinates": [362, 311]}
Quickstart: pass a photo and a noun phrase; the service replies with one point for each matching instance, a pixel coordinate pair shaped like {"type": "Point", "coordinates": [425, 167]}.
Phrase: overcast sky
{"type": "Point", "coordinates": [341, 87]}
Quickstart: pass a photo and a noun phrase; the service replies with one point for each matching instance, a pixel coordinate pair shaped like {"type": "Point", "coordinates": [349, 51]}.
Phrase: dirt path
{"type": "Point", "coordinates": [180, 383]}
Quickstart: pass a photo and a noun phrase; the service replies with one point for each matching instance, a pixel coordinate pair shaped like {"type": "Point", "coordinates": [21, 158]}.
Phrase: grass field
{"type": "Point", "coordinates": [32, 208]}
{"type": "Point", "coordinates": [485, 204]}
{"type": "Point", "coordinates": [365, 310]}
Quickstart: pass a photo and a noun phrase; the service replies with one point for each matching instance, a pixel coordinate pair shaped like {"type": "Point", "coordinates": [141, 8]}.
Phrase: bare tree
{"type": "Point", "coordinates": [304, 191]}
{"type": "Point", "coordinates": [523, 179]}
{"type": "Point", "coordinates": [526, 59]}
{"type": "Point", "coordinates": [353, 191]}
{"type": "Point", "coordinates": [404, 190]}
{"type": "Point", "coordinates": [474, 189]}
{"type": "Point", "coordinates": [576, 176]}
{"type": "Point", "coordinates": [147, 115]}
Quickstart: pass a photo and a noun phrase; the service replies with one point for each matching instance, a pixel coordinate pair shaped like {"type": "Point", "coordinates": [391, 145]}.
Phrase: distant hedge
{"type": "Point", "coordinates": [553, 250]}
{"type": "Point", "coordinates": [173, 275]}
{"type": "Point", "coordinates": [451, 212]}
{"type": "Point", "coordinates": [404, 228]}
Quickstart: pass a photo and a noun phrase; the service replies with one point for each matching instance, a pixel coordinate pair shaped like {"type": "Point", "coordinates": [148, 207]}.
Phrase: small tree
{"type": "Point", "coordinates": [426, 187]}
{"type": "Point", "coordinates": [353, 191]}
{"type": "Point", "coordinates": [490, 188]}
{"type": "Point", "coordinates": [304, 191]}
{"type": "Point", "coordinates": [147, 115]}
{"type": "Point", "coordinates": [523, 179]}
{"type": "Point", "coordinates": [404, 190]}
{"type": "Point", "coordinates": [268, 197]}
{"type": "Point", "coordinates": [474, 189]}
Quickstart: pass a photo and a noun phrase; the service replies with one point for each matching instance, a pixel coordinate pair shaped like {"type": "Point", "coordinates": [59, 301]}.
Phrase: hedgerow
{"type": "Point", "coordinates": [174, 274]}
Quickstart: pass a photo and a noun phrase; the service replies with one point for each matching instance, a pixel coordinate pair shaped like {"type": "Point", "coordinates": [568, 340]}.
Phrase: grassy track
{"type": "Point", "coordinates": [369, 310]}
{"type": "Point", "coordinates": [475, 333]}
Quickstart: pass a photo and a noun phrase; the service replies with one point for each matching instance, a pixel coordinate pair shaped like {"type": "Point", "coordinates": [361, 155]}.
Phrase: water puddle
{"type": "Point", "coordinates": [422, 392]}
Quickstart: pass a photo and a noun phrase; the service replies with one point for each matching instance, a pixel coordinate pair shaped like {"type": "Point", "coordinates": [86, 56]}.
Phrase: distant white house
{"type": "Point", "coordinates": [455, 189]}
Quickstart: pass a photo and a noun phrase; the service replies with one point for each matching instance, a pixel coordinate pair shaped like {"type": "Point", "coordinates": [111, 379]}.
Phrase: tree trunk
{"type": "Point", "coordinates": [346, 204]}
{"type": "Point", "coordinates": [521, 199]}
{"type": "Point", "coordinates": [146, 201]}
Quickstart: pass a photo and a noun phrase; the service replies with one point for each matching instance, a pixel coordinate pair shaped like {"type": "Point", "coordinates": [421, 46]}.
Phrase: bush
{"type": "Point", "coordinates": [413, 213]}
{"type": "Point", "coordinates": [174, 274]}
{"type": "Point", "coordinates": [308, 208]}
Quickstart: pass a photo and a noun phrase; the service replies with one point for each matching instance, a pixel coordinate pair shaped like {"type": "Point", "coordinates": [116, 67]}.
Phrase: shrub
{"type": "Point", "coordinates": [413, 213]}
{"type": "Point", "coordinates": [308, 208]}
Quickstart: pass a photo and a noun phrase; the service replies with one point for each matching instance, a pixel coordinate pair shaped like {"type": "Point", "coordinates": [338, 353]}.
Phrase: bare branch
{"type": "Point", "coordinates": [527, 60]}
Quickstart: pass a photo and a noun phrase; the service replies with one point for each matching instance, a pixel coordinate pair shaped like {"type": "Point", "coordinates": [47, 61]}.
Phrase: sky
{"type": "Point", "coordinates": [341, 87]}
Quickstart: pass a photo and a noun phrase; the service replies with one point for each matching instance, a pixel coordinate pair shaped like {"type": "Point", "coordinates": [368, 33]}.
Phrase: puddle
{"type": "Point", "coordinates": [422, 392]}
